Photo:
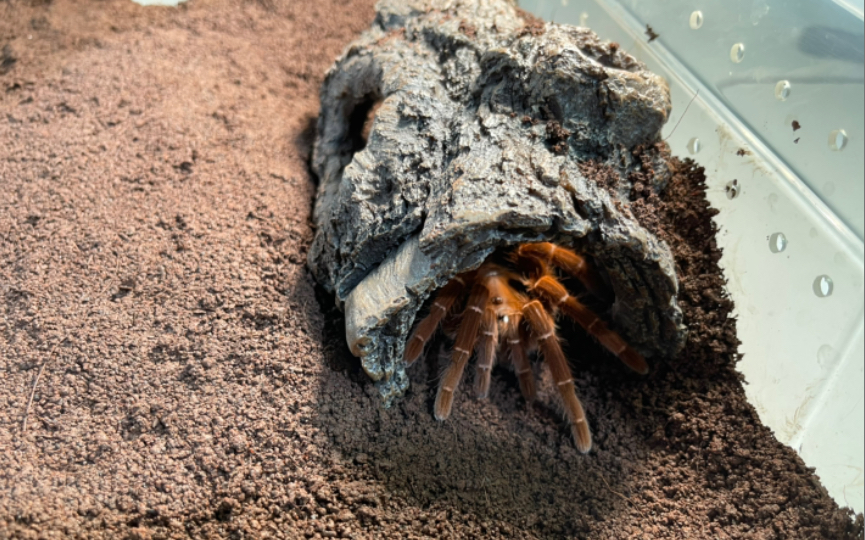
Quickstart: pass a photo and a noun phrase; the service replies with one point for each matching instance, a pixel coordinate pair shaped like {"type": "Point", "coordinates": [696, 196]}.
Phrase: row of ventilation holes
{"type": "Point", "coordinates": [822, 285]}
{"type": "Point", "coordinates": [837, 138]}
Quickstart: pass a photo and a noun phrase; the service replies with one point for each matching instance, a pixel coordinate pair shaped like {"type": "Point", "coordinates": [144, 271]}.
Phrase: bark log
{"type": "Point", "coordinates": [481, 116]}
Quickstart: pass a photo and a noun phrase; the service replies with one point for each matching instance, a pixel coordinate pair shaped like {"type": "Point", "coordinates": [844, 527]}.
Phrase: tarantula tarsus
{"type": "Point", "coordinates": [501, 296]}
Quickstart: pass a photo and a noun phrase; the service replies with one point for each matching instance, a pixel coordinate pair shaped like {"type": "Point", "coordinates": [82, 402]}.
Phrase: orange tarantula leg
{"type": "Point", "coordinates": [517, 343]}
{"type": "Point", "coordinates": [489, 340]}
{"type": "Point", "coordinates": [572, 263]}
{"type": "Point", "coordinates": [465, 342]}
{"type": "Point", "coordinates": [542, 325]}
{"type": "Point", "coordinates": [427, 327]}
{"type": "Point", "coordinates": [557, 295]}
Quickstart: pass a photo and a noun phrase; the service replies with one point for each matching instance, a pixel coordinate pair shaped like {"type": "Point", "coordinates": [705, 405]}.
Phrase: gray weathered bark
{"type": "Point", "coordinates": [482, 118]}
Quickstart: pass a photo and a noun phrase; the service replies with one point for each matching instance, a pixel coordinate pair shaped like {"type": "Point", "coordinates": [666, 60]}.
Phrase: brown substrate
{"type": "Point", "coordinates": [154, 216]}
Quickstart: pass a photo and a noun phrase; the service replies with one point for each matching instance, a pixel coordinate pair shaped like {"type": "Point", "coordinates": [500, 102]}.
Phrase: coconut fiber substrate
{"type": "Point", "coordinates": [169, 369]}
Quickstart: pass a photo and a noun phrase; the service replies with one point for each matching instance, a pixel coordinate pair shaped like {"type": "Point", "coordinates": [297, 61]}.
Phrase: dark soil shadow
{"type": "Point", "coordinates": [304, 141]}
{"type": "Point", "coordinates": [499, 459]}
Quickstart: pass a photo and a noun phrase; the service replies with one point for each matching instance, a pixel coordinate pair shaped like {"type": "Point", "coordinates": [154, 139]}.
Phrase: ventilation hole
{"type": "Point", "coordinates": [733, 189]}
{"type": "Point", "coordinates": [696, 20]}
{"type": "Point", "coordinates": [838, 140]}
{"type": "Point", "coordinates": [694, 145]}
{"type": "Point", "coordinates": [823, 286]}
{"type": "Point", "coordinates": [782, 90]}
{"type": "Point", "coordinates": [737, 52]}
{"type": "Point", "coordinates": [360, 122]}
{"type": "Point", "coordinates": [777, 242]}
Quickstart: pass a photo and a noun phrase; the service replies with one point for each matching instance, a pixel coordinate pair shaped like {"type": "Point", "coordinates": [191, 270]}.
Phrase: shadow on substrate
{"type": "Point", "coordinates": [500, 459]}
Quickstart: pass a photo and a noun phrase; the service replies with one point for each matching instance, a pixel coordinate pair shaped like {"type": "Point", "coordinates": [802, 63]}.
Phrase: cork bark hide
{"type": "Point", "coordinates": [454, 128]}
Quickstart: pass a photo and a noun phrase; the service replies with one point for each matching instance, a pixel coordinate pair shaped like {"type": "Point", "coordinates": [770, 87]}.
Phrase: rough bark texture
{"type": "Point", "coordinates": [482, 117]}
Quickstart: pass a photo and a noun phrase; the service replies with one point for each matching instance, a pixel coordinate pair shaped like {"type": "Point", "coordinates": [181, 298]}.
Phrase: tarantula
{"type": "Point", "coordinates": [510, 312]}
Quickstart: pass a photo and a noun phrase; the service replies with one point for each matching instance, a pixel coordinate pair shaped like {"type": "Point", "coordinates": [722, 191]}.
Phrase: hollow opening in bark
{"type": "Point", "coordinates": [360, 121]}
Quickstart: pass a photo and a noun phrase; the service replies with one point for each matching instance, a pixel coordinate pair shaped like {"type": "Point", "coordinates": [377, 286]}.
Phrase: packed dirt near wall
{"type": "Point", "coordinates": [169, 368]}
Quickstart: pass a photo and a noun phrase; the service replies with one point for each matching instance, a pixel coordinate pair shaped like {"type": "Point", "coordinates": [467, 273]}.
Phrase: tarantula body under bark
{"type": "Point", "coordinates": [453, 129]}
{"type": "Point", "coordinates": [499, 320]}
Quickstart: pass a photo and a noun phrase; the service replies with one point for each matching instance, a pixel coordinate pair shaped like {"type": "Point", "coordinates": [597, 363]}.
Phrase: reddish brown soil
{"type": "Point", "coordinates": [185, 382]}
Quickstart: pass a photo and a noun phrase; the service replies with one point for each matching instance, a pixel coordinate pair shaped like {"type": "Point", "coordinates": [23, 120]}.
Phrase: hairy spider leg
{"type": "Point", "coordinates": [515, 336]}
{"type": "Point", "coordinates": [572, 263]}
{"type": "Point", "coordinates": [555, 293]}
{"type": "Point", "coordinates": [517, 342]}
{"type": "Point", "coordinates": [504, 305]}
{"type": "Point", "coordinates": [545, 331]}
{"type": "Point", "coordinates": [487, 344]}
{"type": "Point", "coordinates": [443, 303]}
{"type": "Point", "coordinates": [465, 342]}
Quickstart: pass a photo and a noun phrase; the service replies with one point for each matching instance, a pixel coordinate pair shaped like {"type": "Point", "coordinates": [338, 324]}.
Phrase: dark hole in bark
{"type": "Point", "coordinates": [360, 121]}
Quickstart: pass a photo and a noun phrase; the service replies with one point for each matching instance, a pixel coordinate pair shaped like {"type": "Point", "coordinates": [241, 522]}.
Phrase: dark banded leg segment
{"type": "Point", "coordinates": [466, 337]}
{"type": "Point", "coordinates": [558, 296]}
{"type": "Point", "coordinates": [441, 306]}
{"type": "Point", "coordinates": [487, 344]}
{"type": "Point", "coordinates": [545, 332]}
{"type": "Point", "coordinates": [517, 341]}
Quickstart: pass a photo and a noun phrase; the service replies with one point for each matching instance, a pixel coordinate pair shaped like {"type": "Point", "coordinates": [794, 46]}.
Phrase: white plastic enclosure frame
{"type": "Point", "coordinates": [782, 81]}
